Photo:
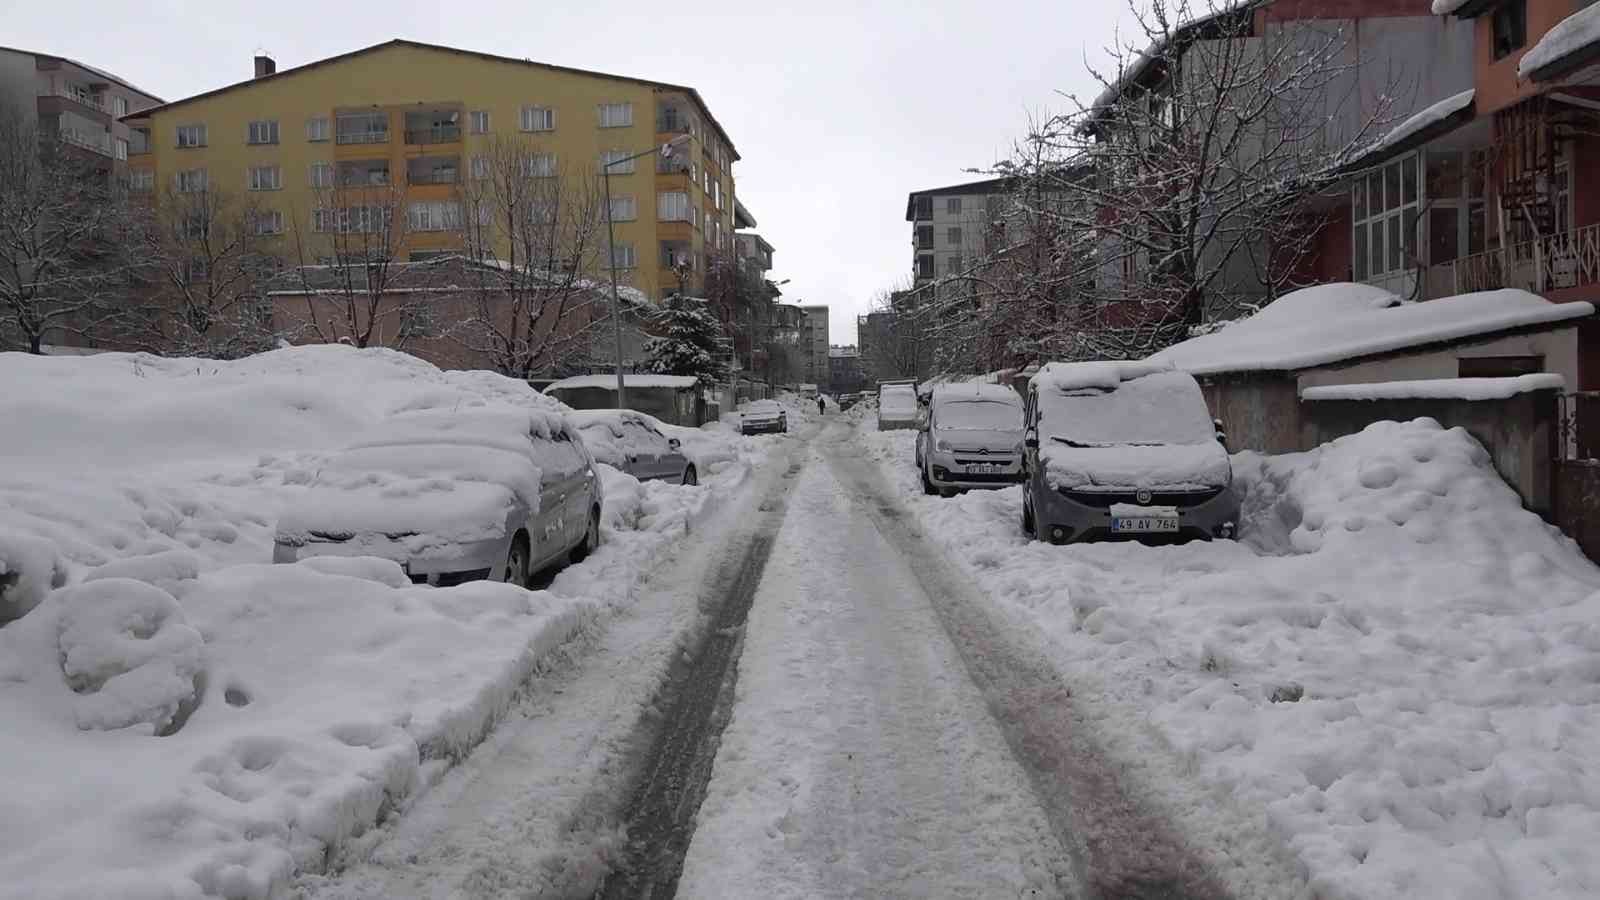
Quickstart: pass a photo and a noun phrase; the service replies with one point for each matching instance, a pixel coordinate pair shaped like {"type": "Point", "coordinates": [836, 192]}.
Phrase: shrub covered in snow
{"type": "Point", "coordinates": [128, 653]}
{"type": "Point", "coordinates": [29, 568]}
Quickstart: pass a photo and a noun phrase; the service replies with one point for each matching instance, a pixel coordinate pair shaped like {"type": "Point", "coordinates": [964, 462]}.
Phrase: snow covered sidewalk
{"type": "Point", "coordinates": [183, 717]}
{"type": "Point", "coordinates": [1396, 676]}
{"type": "Point", "coordinates": [860, 760]}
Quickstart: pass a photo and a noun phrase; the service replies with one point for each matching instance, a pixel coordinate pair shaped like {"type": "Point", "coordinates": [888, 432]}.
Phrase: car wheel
{"type": "Point", "coordinates": [517, 561]}
{"type": "Point", "coordinates": [591, 537]}
{"type": "Point", "coordinates": [927, 484]}
{"type": "Point", "coordinates": [690, 476]}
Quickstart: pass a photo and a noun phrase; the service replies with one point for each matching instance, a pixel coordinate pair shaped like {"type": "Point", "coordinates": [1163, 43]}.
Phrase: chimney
{"type": "Point", "coordinates": [265, 66]}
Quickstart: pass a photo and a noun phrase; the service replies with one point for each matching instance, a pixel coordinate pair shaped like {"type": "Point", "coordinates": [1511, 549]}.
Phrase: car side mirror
{"type": "Point", "coordinates": [674, 443]}
{"type": "Point", "coordinates": [1222, 436]}
{"type": "Point", "coordinates": [1031, 441]}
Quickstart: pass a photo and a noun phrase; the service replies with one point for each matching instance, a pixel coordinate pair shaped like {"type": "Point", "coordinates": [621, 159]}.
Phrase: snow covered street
{"type": "Point", "coordinates": [861, 761]}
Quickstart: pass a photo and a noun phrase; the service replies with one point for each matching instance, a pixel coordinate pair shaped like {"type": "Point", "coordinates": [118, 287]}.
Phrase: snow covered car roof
{"type": "Point", "coordinates": [602, 432]}
{"type": "Point", "coordinates": [1336, 322]}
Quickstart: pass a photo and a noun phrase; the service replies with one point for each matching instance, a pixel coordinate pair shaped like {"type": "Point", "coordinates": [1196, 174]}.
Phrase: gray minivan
{"type": "Point", "coordinates": [970, 438]}
{"type": "Point", "coordinates": [1123, 450]}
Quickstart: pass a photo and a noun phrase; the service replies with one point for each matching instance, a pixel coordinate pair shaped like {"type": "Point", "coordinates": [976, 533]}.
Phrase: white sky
{"type": "Point", "coordinates": [838, 109]}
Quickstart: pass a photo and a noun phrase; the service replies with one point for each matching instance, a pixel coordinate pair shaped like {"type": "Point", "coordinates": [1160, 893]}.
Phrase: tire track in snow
{"type": "Point", "coordinates": [1122, 851]}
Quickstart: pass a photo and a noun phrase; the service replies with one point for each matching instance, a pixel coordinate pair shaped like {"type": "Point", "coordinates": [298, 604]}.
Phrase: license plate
{"type": "Point", "coordinates": [1144, 524]}
{"type": "Point", "coordinates": [984, 469]}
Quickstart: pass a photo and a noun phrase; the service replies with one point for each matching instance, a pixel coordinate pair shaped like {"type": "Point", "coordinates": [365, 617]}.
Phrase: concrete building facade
{"type": "Point", "coordinates": [814, 342]}
{"type": "Point", "coordinates": [77, 102]}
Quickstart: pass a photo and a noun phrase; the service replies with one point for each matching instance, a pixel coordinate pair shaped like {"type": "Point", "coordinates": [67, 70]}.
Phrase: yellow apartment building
{"type": "Point", "coordinates": [415, 120]}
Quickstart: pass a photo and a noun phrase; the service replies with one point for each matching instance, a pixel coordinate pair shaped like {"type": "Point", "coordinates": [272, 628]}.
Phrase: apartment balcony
{"type": "Point", "coordinates": [1566, 259]}
{"type": "Point", "coordinates": [99, 143]}
{"type": "Point", "coordinates": [676, 164]}
{"type": "Point", "coordinates": [434, 170]}
{"type": "Point", "coordinates": [674, 117]}
{"type": "Point", "coordinates": [82, 98]}
{"type": "Point", "coordinates": [364, 173]}
{"type": "Point", "coordinates": [361, 128]}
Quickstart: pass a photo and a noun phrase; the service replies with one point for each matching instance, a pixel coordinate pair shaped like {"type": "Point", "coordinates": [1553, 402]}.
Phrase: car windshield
{"type": "Point", "coordinates": [1165, 408]}
{"type": "Point", "coordinates": [979, 415]}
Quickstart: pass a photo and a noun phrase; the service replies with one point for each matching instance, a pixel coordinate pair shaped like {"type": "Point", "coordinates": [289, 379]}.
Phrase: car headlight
{"type": "Point", "coordinates": [943, 446]}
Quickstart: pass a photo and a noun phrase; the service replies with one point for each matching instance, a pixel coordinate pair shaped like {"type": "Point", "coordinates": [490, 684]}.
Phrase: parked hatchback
{"type": "Point", "coordinates": [762, 417]}
{"type": "Point", "coordinates": [453, 496]}
{"type": "Point", "coordinates": [1123, 450]}
{"type": "Point", "coordinates": [971, 438]}
{"type": "Point", "coordinates": [635, 443]}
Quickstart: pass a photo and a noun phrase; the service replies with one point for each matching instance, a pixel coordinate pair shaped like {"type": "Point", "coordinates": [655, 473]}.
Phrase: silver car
{"type": "Point", "coordinates": [762, 417]}
{"type": "Point", "coordinates": [1123, 450]}
{"type": "Point", "coordinates": [453, 497]}
{"type": "Point", "coordinates": [970, 438]}
{"type": "Point", "coordinates": [635, 443]}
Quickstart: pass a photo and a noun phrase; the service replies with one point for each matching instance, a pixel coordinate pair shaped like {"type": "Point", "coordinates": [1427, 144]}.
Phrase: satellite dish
{"type": "Point", "coordinates": [666, 151]}
{"type": "Point", "coordinates": [455, 116]}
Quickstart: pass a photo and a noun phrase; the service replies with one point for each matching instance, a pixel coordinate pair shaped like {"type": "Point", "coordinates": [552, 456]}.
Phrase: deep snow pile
{"type": "Point", "coordinates": [1398, 672]}
{"type": "Point", "coordinates": [182, 717]}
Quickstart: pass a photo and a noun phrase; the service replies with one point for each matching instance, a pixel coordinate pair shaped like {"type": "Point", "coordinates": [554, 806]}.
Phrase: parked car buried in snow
{"type": "Point", "coordinates": [1123, 450]}
{"type": "Point", "coordinates": [453, 496]}
{"type": "Point", "coordinates": [634, 443]}
{"type": "Point", "coordinates": [971, 438]}
{"type": "Point", "coordinates": [897, 405]}
{"type": "Point", "coordinates": [762, 416]}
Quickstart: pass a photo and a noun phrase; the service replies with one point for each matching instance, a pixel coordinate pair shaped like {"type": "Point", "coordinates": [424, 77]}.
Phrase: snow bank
{"type": "Point", "coordinates": [1576, 32]}
{"type": "Point", "coordinates": [1335, 322]}
{"type": "Point", "coordinates": [1397, 673]}
{"type": "Point", "coordinates": [185, 719]}
{"type": "Point", "coordinates": [1438, 388]}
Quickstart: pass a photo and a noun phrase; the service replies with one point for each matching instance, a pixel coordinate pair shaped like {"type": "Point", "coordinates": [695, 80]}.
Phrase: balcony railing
{"type": "Point", "coordinates": [363, 137]}
{"type": "Point", "coordinates": [1562, 260]}
{"type": "Point", "coordinates": [672, 165]}
{"type": "Point", "coordinates": [438, 134]}
{"type": "Point", "coordinates": [434, 176]}
{"type": "Point", "coordinates": [99, 143]}
{"type": "Point", "coordinates": [90, 100]}
{"type": "Point", "coordinates": [673, 124]}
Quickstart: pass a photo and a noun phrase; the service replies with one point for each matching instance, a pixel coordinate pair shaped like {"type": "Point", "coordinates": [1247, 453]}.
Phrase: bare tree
{"type": "Point", "coordinates": [62, 228]}
{"type": "Point", "coordinates": [209, 255]}
{"type": "Point", "coordinates": [1189, 182]}
{"type": "Point", "coordinates": [538, 233]}
{"type": "Point", "coordinates": [347, 251]}
{"type": "Point", "coordinates": [894, 333]}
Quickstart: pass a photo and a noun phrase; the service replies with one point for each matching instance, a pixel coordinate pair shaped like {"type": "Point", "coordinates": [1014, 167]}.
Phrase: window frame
{"type": "Point", "coordinates": [531, 111]}
{"type": "Point", "coordinates": [254, 183]}
{"type": "Point", "coordinates": [631, 212]}
{"type": "Point", "coordinates": [631, 255]}
{"type": "Point", "coordinates": [273, 216]}
{"type": "Point", "coordinates": [475, 117]}
{"type": "Point", "coordinates": [261, 132]}
{"type": "Point", "coordinates": [330, 181]}
{"type": "Point", "coordinates": [604, 120]}
{"type": "Point", "coordinates": [618, 167]}
{"type": "Point", "coordinates": [190, 181]}
{"type": "Point", "coordinates": [1380, 228]}
{"type": "Point", "coordinates": [319, 123]}
{"type": "Point", "coordinates": [1512, 14]}
{"type": "Point", "coordinates": [672, 198]}
{"type": "Point", "coordinates": [952, 206]}
{"type": "Point", "coordinates": [197, 130]}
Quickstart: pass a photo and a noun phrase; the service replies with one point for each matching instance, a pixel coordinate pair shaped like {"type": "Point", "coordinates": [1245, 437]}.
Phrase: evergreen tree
{"type": "Point", "coordinates": [691, 341]}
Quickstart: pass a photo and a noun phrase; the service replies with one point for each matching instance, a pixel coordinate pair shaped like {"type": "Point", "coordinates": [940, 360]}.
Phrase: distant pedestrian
{"type": "Point", "coordinates": [822, 406]}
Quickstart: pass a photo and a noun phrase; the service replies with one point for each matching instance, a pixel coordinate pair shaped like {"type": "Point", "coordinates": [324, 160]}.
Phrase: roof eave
{"type": "Point", "coordinates": [1412, 141]}
{"type": "Point", "coordinates": [1566, 64]}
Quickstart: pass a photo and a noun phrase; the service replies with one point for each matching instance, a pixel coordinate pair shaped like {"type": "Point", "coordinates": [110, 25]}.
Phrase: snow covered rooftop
{"type": "Point", "coordinates": [1334, 322]}
{"type": "Point", "coordinates": [1417, 125]}
{"type": "Point", "coordinates": [1439, 388]}
{"type": "Point", "coordinates": [609, 382]}
{"type": "Point", "coordinates": [1133, 70]}
{"type": "Point", "coordinates": [1446, 7]}
{"type": "Point", "coordinates": [1575, 34]}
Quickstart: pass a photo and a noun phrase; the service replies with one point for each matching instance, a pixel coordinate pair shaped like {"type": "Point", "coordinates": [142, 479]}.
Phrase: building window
{"type": "Point", "coordinates": [119, 148]}
{"type": "Point", "coordinates": [534, 118]}
{"type": "Point", "coordinates": [418, 320]}
{"type": "Point", "coordinates": [142, 181]}
{"type": "Point", "coordinates": [263, 132]}
{"type": "Point", "coordinates": [321, 175]}
{"type": "Point", "coordinates": [480, 167]}
{"type": "Point", "coordinates": [952, 265]}
{"type": "Point", "coordinates": [1509, 27]}
{"type": "Point", "coordinates": [197, 269]}
{"type": "Point", "coordinates": [363, 128]}
{"type": "Point", "coordinates": [190, 181]}
{"type": "Point", "coordinates": [480, 121]}
{"type": "Point", "coordinates": [266, 221]}
{"type": "Point", "coordinates": [611, 161]}
{"type": "Point", "coordinates": [623, 256]}
{"type": "Point", "coordinates": [441, 215]}
{"type": "Point", "coordinates": [672, 206]}
{"type": "Point", "coordinates": [265, 178]}
{"type": "Point", "coordinates": [317, 129]}
{"type": "Point", "coordinates": [1384, 215]}
{"type": "Point", "coordinates": [716, 193]}
{"type": "Point", "coordinates": [924, 209]}
{"type": "Point", "coordinates": [195, 226]}
{"type": "Point", "coordinates": [616, 115]}
{"type": "Point", "coordinates": [925, 266]}
{"type": "Point", "coordinates": [694, 171]}
{"type": "Point", "coordinates": [1454, 199]}
{"type": "Point", "coordinates": [953, 206]}
{"type": "Point", "coordinates": [624, 209]}
{"type": "Point", "coordinates": [119, 106]}
{"type": "Point", "coordinates": [539, 165]}
{"type": "Point", "coordinates": [953, 236]}
{"type": "Point", "coordinates": [191, 135]}
{"type": "Point", "coordinates": [924, 237]}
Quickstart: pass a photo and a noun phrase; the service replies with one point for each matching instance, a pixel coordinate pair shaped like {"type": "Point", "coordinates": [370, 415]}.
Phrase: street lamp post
{"type": "Point", "coordinates": [611, 248]}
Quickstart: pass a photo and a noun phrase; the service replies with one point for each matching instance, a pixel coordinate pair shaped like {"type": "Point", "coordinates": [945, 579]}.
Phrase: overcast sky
{"type": "Point", "coordinates": [838, 109]}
